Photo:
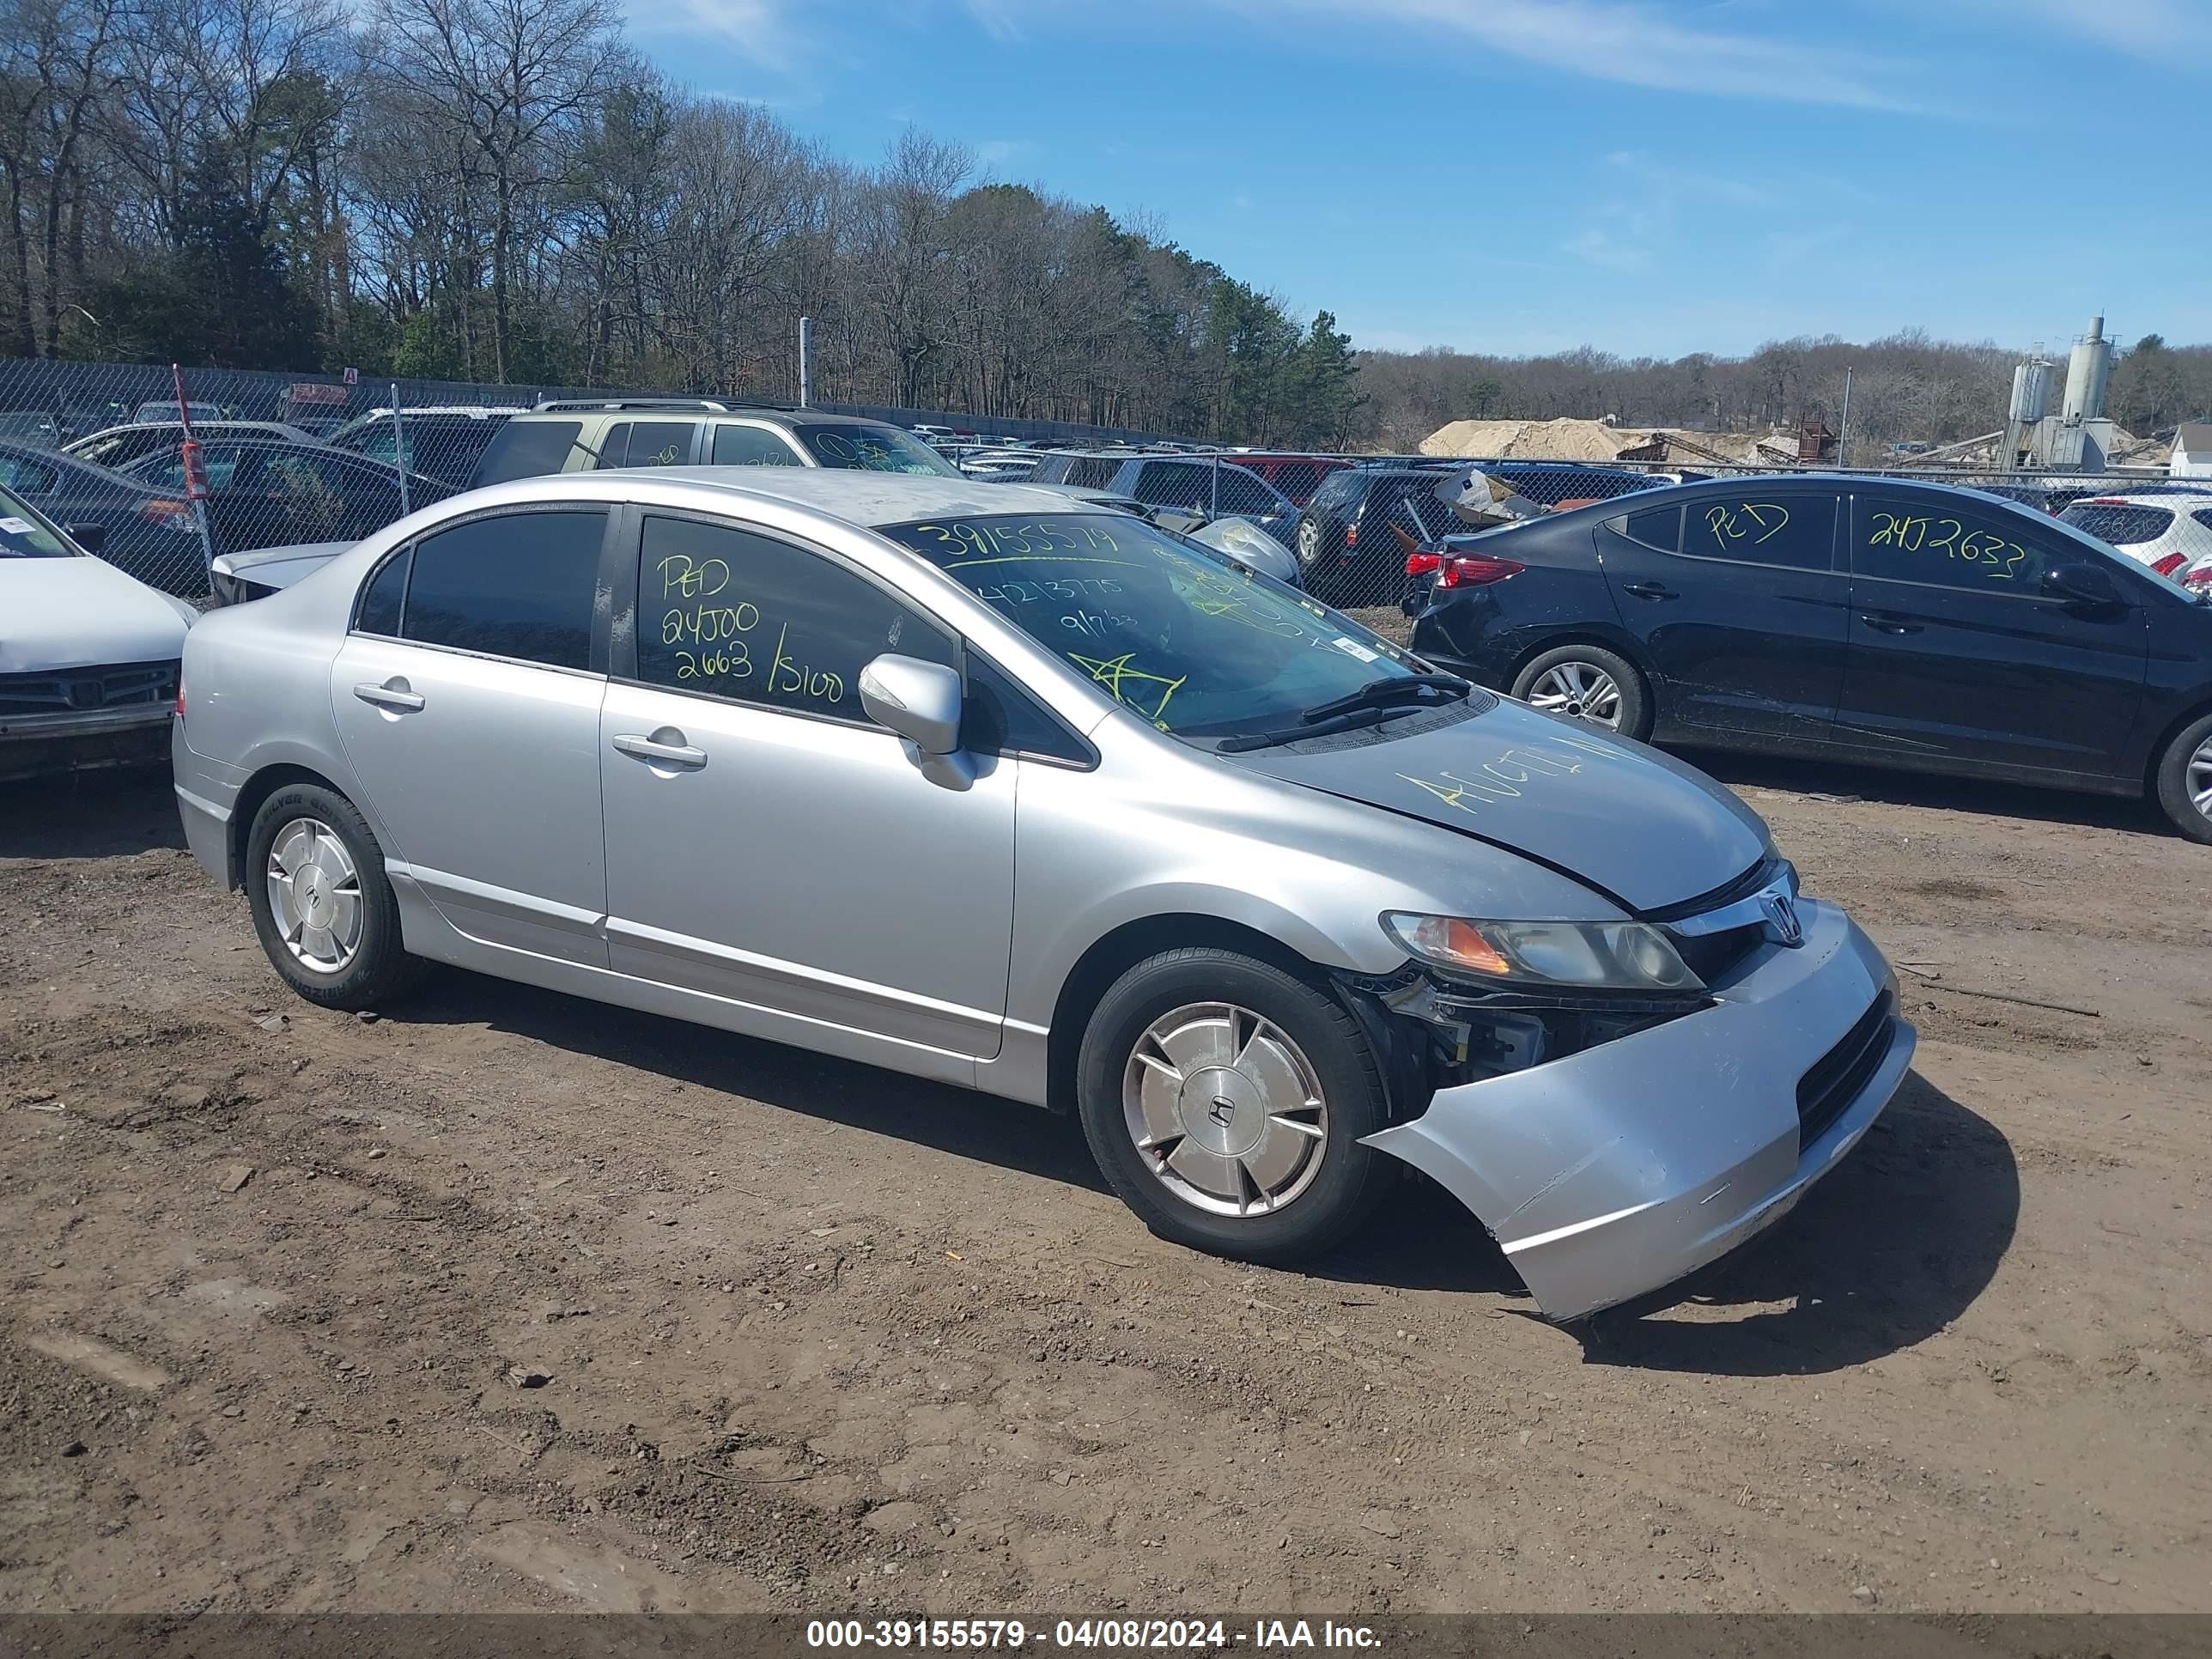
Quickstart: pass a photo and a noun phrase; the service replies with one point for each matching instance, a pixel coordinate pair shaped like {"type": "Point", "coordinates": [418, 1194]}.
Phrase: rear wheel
{"type": "Point", "coordinates": [2183, 783]}
{"type": "Point", "coordinates": [323, 912]}
{"type": "Point", "coordinates": [1225, 1101]}
{"type": "Point", "coordinates": [1588, 682]}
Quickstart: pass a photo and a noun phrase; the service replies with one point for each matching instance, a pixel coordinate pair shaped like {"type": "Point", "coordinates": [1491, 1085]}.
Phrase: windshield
{"type": "Point", "coordinates": [1193, 644]}
{"type": "Point", "coordinates": [24, 535]}
{"type": "Point", "coordinates": [2122, 524]}
{"type": "Point", "coordinates": [874, 449]}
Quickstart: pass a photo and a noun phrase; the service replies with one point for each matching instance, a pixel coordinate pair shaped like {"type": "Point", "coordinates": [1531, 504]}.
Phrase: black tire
{"type": "Point", "coordinates": [1351, 1178]}
{"type": "Point", "coordinates": [2170, 783]}
{"type": "Point", "coordinates": [380, 967]}
{"type": "Point", "coordinates": [1636, 710]}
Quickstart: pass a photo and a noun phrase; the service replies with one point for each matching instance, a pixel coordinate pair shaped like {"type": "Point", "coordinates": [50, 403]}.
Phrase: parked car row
{"type": "Point", "coordinates": [1864, 619]}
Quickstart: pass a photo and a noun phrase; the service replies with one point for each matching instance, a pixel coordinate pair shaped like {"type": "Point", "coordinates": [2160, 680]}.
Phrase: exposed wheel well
{"type": "Point", "coordinates": [2173, 728]}
{"type": "Point", "coordinates": [259, 788]}
{"type": "Point", "coordinates": [1121, 950]}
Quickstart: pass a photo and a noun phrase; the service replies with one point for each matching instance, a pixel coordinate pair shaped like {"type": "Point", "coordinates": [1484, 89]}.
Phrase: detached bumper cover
{"type": "Point", "coordinates": [1617, 1171]}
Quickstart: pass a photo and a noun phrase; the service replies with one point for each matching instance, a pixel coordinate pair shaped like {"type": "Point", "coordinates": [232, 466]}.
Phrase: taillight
{"type": "Point", "coordinates": [166, 513]}
{"type": "Point", "coordinates": [2168, 565]}
{"type": "Point", "coordinates": [2200, 577]}
{"type": "Point", "coordinates": [1463, 570]}
{"type": "Point", "coordinates": [1352, 535]}
{"type": "Point", "coordinates": [1422, 564]}
{"type": "Point", "coordinates": [180, 696]}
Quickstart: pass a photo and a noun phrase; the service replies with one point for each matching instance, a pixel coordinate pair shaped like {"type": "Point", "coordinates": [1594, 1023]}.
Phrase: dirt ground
{"type": "Point", "coordinates": [529, 1303]}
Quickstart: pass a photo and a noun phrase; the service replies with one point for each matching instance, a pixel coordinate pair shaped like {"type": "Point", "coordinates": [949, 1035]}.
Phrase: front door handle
{"type": "Point", "coordinates": [1888, 622]}
{"type": "Point", "coordinates": [1651, 590]}
{"type": "Point", "coordinates": [392, 695]}
{"type": "Point", "coordinates": [665, 747]}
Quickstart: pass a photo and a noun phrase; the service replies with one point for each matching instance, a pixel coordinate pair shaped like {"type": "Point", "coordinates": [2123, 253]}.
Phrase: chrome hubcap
{"type": "Point", "coordinates": [2196, 778]}
{"type": "Point", "coordinates": [1225, 1109]}
{"type": "Point", "coordinates": [1309, 543]}
{"type": "Point", "coordinates": [1581, 690]}
{"type": "Point", "coordinates": [314, 894]}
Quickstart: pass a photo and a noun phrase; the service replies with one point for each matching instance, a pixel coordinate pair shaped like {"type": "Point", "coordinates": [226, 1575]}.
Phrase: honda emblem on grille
{"type": "Point", "coordinates": [1781, 923]}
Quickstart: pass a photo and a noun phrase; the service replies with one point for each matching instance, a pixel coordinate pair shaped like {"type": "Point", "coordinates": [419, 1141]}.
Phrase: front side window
{"type": "Point", "coordinates": [32, 477]}
{"type": "Point", "coordinates": [1188, 642]}
{"type": "Point", "coordinates": [661, 443]}
{"type": "Point", "coordinates": [1948, 543]}
{"type": "Point", "coordinates": [1090, 472]}
{"type": "Point", "coordinates": [874, 449]}
{"type": "Point", "coordinates": [1778, 528]}
{"type": "Point", "coordinates": [25, 535]}
{"type": "Point", "coordinates": [1169, 483]}
{"type": "Point", "coordinates": [738, 445]}
{"type": "Point", "coordinates": [741, 615]}
{"type": "Point", "coordinates": [516, 585]}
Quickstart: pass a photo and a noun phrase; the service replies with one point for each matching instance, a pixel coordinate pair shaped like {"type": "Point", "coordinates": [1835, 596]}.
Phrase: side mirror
{"type": "Point", "coordinates": [920, 701]}
{"type": "Point", "coordinates": [2080, 584]}
{"type": "Point", "coordinates": [92, 538]}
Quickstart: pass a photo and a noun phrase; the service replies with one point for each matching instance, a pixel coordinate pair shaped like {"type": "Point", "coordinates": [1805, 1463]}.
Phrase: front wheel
{"type": "Point", "coordinates": [1588, 682]}
{"type": "Point", "coordinates": [1225, 1101]}
{"type": "Point", "coordinates": [2183, 783]}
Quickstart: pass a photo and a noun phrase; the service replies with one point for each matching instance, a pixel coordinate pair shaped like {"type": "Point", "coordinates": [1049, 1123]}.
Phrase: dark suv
{"type": "Point", "coordinates": [1347, 553]}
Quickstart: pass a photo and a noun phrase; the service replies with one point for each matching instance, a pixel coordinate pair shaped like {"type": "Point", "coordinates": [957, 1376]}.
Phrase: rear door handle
{"type": "Point", "coordinates": [656, 752]}
{"type": "Point", "coordinates": [392, 694]}
{"type": "Point", "coordinates": [1888, 622]}
{"type": "Point", "coordinates": [1651, 590]}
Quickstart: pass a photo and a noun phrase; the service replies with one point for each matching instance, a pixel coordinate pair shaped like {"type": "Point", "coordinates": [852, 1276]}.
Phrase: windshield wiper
{"type": "Point", "coordinates": [1348, 720]}
{"type": "Point", "coordinates": [1378, 694]}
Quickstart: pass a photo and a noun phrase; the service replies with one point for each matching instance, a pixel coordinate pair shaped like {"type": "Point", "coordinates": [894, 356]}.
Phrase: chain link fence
{"type": "Point", "coordinates": [290, 459]}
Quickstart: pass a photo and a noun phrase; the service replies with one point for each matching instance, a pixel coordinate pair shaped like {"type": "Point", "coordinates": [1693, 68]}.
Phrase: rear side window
{"type": "Point", "coordinates": [380, 601]}
{"type": "Point", "coordinates": [1169, 484]}
{"type": "Point", "coordinates": [735, 614]}
{"type": "Point", "coordinates": [1758, 526]}
{"type": "Point", "coordinates": [1090, 471]}
{"type": "Point", "coordinates": [517, 585]}
{"type": "Point", "coordinates": [1659, 527]}
{"type": "Point", "coordinates": [1243, 493]}
{"type": "Point", "coordinates": [32, 477]}
{"type": "Point", "coordinates": [1342, 485]}
{"type": "Point", "coordinates": [527, 449]}
{"type": "Point", "coordinates": [751, 446]}
{"type": "Point", "coordinates": [2123, 526]}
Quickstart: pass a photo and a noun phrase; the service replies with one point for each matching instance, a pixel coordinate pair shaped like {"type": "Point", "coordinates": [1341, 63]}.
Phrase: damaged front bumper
{"type": "Point", "coordinates": [76, 740]}
{"type": "Point", "coordinates": [1615, 1170]}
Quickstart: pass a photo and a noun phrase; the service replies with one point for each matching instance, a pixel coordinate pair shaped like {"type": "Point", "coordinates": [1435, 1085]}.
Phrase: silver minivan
{"type": "Point", "coordinates": [976, 782]}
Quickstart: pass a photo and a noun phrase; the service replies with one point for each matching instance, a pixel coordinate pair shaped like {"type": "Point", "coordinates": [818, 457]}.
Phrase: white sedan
{"type": "Point", "coordinates": [88, 655]}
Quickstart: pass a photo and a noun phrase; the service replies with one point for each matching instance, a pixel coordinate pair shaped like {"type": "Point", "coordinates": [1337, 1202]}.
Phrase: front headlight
{"type": "Point", "coordinates": [1614, 955]}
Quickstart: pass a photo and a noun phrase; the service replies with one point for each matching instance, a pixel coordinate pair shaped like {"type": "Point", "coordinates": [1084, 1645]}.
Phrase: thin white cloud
{"type": "Point", "coordinates": [1597, 247]}
{"type": "Point", "coordinates": [2156, 31]}
{"type": "Point", "coordinates": [758, 30]}
{"type": "Point", "coordinates": [997, 152]}
{"type": "Point", "coordinates": [1642, 45]}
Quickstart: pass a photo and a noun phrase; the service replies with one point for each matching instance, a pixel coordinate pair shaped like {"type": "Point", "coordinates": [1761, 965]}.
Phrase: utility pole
{"type": "Point", "coordinates": [805, 362]}
{"type": "Point", "coordinates": [1844, 437]}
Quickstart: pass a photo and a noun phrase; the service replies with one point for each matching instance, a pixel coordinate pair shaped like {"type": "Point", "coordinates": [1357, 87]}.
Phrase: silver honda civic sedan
{"type": "Point", "coordinates": [972, 782]}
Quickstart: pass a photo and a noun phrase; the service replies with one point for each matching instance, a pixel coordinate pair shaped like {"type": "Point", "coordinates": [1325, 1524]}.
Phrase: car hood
{"type": "Point", "coordinates": [1640, 827]}
{"type": "Point", "coordinates": [74, 613]}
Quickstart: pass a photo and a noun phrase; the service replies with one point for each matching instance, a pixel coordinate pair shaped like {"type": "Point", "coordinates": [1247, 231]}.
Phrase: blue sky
{"type": "Point", "coordinates": [1647, 176]}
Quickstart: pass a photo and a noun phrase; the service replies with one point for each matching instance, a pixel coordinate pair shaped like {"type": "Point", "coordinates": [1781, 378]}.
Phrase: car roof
{"type": "Point", "coordinates": [678, 410]}
{"type": "Point", "coordinates": [867, 499]}
{"type": "Point", "coordinates": [2168, 496]}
